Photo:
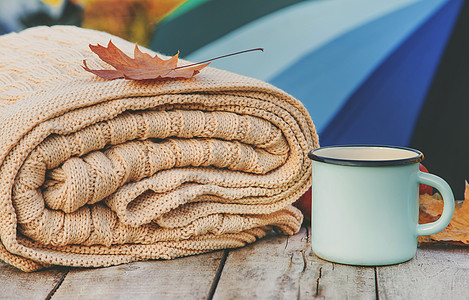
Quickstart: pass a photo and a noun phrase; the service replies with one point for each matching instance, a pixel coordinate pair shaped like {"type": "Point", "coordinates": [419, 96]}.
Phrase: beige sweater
{"type": "Point", "coordinates": [98, 173]}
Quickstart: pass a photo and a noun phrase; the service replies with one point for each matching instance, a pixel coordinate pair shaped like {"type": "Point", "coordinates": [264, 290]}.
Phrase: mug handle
{"type": "Point", "coordinates": [448, 206]}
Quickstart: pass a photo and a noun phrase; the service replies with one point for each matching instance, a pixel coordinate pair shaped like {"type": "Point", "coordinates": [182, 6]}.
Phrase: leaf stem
{"type": "Point", "coordinates": [218, 57]}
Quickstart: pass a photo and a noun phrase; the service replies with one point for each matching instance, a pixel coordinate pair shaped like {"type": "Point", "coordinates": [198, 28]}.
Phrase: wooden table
{"type": "Point", "coordinates": [276, 267]}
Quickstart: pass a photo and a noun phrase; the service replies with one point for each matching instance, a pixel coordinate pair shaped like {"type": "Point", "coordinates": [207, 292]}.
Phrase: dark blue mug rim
{"type": "Point", "coordinates": [367, 163]}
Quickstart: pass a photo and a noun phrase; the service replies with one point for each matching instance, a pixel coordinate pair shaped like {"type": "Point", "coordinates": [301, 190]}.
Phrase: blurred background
{"type": "Point", "coordinates": [368, 71]}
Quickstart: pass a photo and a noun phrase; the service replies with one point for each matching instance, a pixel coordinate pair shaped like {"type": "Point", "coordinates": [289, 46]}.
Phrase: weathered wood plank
{"type": "Point", "coordinates": [278, 267]}
{"type": "Point", "coordinates": [182, 278]}
{"type": "Point", "coordinates": [345, 282]}
{"type": "Point", "coordinates": [436, 272]}
{"type": "Point", "coordinates": [16, 284]}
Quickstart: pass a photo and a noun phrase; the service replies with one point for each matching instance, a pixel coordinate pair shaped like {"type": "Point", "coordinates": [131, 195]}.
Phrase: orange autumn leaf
{"type": "Point", "coordinates": [142, 66]}
{"type": "Point", "coordinates": [457, 231]}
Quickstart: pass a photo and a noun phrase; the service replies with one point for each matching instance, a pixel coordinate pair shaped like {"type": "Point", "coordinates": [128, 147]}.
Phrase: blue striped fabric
{"type": "Point", "coordinates": [362, 68]}
{"type": "Point", "coordinates": [385, 108]}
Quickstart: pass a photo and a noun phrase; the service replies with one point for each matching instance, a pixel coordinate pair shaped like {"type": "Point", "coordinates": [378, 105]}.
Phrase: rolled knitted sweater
{"type": "Point", "coordinates": [98, 173]}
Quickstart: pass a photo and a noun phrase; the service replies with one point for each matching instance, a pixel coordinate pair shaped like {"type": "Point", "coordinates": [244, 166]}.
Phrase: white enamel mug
{"type": "Point", "coordinates": [365, 205]}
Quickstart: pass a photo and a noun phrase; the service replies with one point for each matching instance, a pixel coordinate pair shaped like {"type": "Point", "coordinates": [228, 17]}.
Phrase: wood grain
{"type": "Point", "coordinates": [277, 267]}
{"type": "Point", "coordinates": [182, 278]}
{"type": "Point", "coordinates": [16, 284]}
{"type": "Point", "coordinates": [436, 272]}
{"type": "Point", "coordinates": [280, 267]}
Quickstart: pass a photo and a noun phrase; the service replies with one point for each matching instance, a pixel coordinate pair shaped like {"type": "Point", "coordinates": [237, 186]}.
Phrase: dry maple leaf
{"type": "Point", "coordinates": [457, 231]}
{"type": "Point", "coordinates": [143, 66]}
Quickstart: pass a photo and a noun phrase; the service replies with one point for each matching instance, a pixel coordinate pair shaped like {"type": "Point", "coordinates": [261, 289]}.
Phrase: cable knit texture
{"type": "Point", "coordinates": [98, 173]}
